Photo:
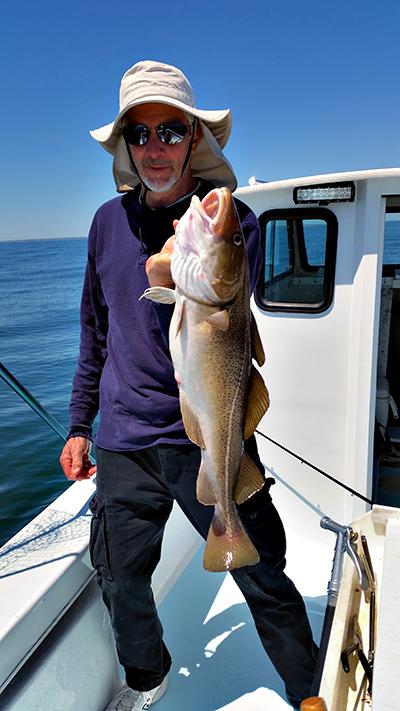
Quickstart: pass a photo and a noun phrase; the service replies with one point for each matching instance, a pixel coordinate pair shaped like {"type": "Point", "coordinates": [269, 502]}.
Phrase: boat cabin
{"type": "Point", "coordinates": [328, 310]}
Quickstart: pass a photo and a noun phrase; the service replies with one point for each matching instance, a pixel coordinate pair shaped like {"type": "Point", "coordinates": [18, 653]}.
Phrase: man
{"type": "Point", "coordinates": [165, 150]}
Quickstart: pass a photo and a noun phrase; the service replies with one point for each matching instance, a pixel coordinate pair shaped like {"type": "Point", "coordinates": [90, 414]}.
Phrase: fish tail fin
{"type": "Point", "coordinates": [228, 547]}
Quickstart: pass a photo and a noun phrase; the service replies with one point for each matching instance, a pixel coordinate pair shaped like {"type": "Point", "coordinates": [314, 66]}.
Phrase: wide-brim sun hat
{"type": "Point", "coordinates": [154, 82]}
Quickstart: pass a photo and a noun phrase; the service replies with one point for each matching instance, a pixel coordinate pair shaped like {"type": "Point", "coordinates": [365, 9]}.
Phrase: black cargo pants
{"type": "Point", "coordinates": [135, 493]}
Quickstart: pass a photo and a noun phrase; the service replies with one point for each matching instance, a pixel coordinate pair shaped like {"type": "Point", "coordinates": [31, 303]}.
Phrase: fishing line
{"type": "Point", "coordinates": [320, 471]}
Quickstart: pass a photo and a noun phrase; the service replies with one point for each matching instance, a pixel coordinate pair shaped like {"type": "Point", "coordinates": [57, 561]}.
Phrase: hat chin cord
{"type": "Point", "coordinates": [146, 189]}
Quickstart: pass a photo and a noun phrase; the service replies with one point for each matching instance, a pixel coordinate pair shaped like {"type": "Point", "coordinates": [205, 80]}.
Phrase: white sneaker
{"type": "Point", "coordinates": [131, 700]}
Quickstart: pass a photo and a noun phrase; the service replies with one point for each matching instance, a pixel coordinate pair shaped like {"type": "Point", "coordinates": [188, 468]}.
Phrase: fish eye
{"type": "Point", "coordinates": [237, 239]}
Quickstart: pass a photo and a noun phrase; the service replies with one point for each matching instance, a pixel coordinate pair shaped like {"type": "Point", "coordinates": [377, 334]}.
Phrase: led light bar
{"type": "Point", "coordinates": [323, 194]}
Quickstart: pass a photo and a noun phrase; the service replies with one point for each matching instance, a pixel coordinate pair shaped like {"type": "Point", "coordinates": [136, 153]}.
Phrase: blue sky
{"type": "Point", "coordinates": [313, 87]}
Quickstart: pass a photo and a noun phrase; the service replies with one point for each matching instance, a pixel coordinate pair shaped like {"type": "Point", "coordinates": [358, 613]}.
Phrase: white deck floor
{"type": "Point", "coordinates": [218, 661]}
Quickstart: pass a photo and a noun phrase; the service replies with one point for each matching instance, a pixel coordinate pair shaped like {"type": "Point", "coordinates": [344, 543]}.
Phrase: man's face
{"type": "Point", "coordinates": [159, 165]}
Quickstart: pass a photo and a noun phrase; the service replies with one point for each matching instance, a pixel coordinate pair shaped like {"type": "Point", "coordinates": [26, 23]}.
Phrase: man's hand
{"type": "Point", "coordinates": [158, 266]}
{"type": "Point", "coordinates": [75, 459]}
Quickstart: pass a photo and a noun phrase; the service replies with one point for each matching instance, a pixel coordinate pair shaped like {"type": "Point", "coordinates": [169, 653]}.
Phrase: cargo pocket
{"type": "Point", "coordinates": [99, 539]}
{"type": "Point", "coordinates": [264, 526]}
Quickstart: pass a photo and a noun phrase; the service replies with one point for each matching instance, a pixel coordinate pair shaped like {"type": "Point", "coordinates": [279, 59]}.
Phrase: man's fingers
{"type": "Point", "coordinates": [87, 467]}
{"type": "Point", "coordinates": [75, 459]}
{"type": "Point", "coordinates": [158, 270]}
{"type": "Point", "coordinates": [169, 245]}
{"type": "Point", "coordinates": [158, 266]}
{"type": "Point", "coordinates": [77, 463]}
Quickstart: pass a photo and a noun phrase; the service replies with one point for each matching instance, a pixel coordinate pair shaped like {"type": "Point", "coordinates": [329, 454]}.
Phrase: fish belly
{"type": "Point", "coordinates": [212, 371]}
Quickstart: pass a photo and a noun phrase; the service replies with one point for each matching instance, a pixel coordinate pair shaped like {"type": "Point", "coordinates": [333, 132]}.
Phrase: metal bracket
{"type": "Point", "coordinates": [346, 543]}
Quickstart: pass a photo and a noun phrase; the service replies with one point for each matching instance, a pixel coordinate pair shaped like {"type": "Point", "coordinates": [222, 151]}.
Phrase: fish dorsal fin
{"type": "Point", "coordinates": [249, 479]}
{"type": "Point", "coordinates": [257, 350]}
{"type": "Point", "coordinates": [204, 491]}
{"type": "Point", "coordinates": [257, 402]}
{"type": "Point", "coordinates": [191, 422]}
{"type": "Point", "coordinates": [219, 319]}
{"type": "Point", "coordinates": [160, 294]}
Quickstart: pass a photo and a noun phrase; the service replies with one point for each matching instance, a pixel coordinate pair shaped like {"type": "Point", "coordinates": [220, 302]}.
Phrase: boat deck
{"type": "Point", "coordinates": [218, 661]}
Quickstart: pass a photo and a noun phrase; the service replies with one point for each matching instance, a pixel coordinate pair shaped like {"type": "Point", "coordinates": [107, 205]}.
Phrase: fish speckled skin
{"type": "Point", "coordinates": [222, 396]}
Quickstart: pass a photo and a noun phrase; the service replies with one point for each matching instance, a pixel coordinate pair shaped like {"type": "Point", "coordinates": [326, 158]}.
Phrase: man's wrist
{"type": "Point", "coordinates": [80, 431]}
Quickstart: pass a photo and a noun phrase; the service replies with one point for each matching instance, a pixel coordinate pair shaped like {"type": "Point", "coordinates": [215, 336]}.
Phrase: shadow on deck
{"type": "Point", "coordinates": [218, 661]}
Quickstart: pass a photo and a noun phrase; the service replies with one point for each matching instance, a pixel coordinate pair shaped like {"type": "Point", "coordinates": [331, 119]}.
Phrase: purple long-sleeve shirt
{"type": "Point", "coordinates": [124, 370]}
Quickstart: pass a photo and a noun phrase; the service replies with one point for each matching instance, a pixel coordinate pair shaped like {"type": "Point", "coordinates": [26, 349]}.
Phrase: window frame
{"type": "Point", "coordinates": [316, 213]}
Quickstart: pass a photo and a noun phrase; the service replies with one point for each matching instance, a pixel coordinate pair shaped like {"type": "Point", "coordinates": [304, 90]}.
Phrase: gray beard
{"type": "Point", "coordinates": [160, 186]}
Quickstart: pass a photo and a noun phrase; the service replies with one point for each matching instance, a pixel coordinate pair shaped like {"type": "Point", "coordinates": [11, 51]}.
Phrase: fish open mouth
{"type": "Point", "coordinates": [211, 204]}
{"type": "Point", "coordinates": [214, 205]}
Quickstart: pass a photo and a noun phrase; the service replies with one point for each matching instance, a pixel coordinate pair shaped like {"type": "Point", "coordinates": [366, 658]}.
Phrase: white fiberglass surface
{"type": "Point", "coordinates": [218, 661]}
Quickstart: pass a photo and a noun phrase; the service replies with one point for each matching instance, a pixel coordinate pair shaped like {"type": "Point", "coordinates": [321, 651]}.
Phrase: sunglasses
{"type": "Point", "coordinates": [170, 134]}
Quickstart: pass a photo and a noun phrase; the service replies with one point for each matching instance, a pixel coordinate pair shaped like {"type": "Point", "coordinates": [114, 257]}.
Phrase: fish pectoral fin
{"type": "Point", "coordinates": [219, 319]}
{"type": "Point", "coordinates": [204, 491]}
{"type": "Point", "coordinates": [190, 421]}
{"type": "Point", "coordinates": [160, 294]}
{"type": "Point", "coordinates": [257, 402]}
{"type": "Point", "coordinates": [249, 480]}
{"type": "Point", "coordinates": [257, 350]}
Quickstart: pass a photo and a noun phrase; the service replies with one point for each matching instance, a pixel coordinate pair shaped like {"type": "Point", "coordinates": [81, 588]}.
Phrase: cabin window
{"type": "Point", "coordinates": [299, 248]}
{"type": "Point", "coordinates": [391, 251]}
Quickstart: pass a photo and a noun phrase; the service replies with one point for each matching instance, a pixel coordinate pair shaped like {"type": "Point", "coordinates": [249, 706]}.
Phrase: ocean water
{"type": "Point", "coordinates": [40, 287]}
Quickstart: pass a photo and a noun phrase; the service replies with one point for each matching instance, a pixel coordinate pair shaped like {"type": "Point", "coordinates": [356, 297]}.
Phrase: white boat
{"type": "Point", "coordinates": [327, 310]}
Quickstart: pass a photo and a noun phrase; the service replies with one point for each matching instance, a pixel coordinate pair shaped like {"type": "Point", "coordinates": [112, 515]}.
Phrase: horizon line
{"type": "Point", "coordinates": [38, 239]}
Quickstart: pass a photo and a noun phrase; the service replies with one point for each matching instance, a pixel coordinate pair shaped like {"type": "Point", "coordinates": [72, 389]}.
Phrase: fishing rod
{"type": "Point", "coordinates": [317, 469]}
{"type": "Point", "coordinates": [30, 400]}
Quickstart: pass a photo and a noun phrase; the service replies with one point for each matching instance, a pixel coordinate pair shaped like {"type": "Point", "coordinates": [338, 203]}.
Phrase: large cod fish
{"type": "Point", "coordinates": [213, 338]}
